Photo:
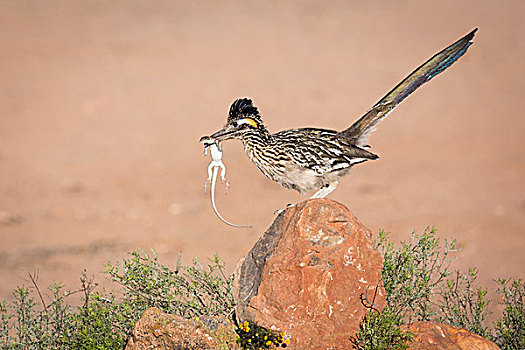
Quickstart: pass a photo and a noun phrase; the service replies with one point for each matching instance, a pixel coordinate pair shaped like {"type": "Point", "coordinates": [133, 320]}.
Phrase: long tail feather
{"type": "Point", "coordinates": [359, 132]}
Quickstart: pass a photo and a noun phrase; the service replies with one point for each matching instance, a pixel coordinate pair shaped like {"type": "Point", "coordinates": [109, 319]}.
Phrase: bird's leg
{"type": "Point", "coordinates": [325, 190]}
{"type": "Point", "coordinates": [279, 211]}
{"type": "Point", "coordinates": [321, 193]}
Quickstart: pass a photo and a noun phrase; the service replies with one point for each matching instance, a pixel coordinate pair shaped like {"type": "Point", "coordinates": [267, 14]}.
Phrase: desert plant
{"type": "Point", "coordinates": [35, 321]}
{"type": "Point", "coordinates": [186, 291]}
{"type": "Point", "coordinates": [463, 303]}
{"type": "Point", "coordinates": [417, 289]}
{"type": "Point", "coordinates": [509, 330]}
{"type": "Point", "coordinates": [105, 319]}
{"type": "Point", "coordinates": [413, 272]}
{"type": "Point", "coordinates": [381, 331]}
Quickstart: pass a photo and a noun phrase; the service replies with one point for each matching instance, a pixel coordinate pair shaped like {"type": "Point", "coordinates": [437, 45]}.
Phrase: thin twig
{"type": "Point", "coordinates": [34, 279]}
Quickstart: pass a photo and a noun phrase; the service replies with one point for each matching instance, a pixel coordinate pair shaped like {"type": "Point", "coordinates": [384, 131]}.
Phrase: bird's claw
{"type": "Point", "coordinates": [279, 211]}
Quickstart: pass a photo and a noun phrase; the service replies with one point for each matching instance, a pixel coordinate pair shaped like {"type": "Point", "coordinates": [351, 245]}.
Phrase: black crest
{"type": "Point", "coordinates": [243, 107]}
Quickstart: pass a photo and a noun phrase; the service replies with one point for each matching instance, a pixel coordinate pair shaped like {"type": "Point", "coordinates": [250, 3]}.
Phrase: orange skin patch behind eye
{"type": "Point", "coordinates": [251, 122]}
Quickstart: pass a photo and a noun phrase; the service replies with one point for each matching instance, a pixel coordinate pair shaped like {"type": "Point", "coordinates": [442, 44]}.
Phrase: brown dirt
{"type": "Point", "coordinates": [102, 105]}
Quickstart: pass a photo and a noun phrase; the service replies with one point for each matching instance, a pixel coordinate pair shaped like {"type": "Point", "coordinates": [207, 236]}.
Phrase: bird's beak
{"type": "Point", "coordinates": [229, 132]}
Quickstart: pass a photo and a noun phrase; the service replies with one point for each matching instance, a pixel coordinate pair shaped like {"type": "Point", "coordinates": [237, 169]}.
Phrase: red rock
{"type": "Point", "coordinates": [161, 331]}
{"type": "Point", "coordinates": [307, 274]}
{"type": "Point", "coordinates": [439, 336]}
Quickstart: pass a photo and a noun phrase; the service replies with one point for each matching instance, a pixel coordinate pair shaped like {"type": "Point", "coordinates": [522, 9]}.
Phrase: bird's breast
{"type": "Point", "coordinates": [267, 158]}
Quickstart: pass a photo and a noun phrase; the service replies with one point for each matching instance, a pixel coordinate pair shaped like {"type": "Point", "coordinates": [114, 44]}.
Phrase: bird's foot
{"type": "Point", "coordinates": [325, 190]}
{"type": "Point", "coordinates": [279, 211]}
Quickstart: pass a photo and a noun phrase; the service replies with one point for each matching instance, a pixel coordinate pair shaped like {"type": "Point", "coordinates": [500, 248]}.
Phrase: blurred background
{"type": "Point", "coordinates": [102, 104]}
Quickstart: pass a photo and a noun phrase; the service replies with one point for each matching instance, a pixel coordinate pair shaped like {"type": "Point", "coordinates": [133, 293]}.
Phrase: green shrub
{"type": "Point", "coordinates": [463, 304]}
{"type": "Point", "coordinates": [510, 328]}
{"type": "Point", "coordinates": [187, 291]}
{"type": "Point", "coordinates": [413, 272]}
{"type": "Point", "coordinates": [104, 321]}
{"type": "Point", "coordinates": [381, 331]}
{"type": "Point", "coordinates": [32, 324]}
{"type": "Point", "coordinates": [417, 288]}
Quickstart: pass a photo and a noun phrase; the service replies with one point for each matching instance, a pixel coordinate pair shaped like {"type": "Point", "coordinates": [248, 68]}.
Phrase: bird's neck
{"type": "Point", "coordinates": [255, 139]}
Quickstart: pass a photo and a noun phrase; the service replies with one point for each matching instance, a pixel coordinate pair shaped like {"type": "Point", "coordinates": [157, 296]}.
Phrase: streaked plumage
{"type": "Point", "coordinates": [308, 158]}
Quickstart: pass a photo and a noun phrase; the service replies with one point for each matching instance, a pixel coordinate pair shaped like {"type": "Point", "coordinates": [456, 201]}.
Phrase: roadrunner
{"type": "Point", "coordinates": [310, 158]}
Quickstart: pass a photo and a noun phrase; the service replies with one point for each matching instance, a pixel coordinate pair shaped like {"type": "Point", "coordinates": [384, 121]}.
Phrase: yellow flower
{"type": "Point", "coordinates": [246, 324]}
{"type": "Point", "coordinates": [268, 343]}
{"type": "Point", "coordinates": [249, 340]}
{"type": "Point", "coordinates": [265, 337]}
{"type": "Point", "coordinates": [282, 334]}
{"type": "Point", "coordinates": [287, 341]}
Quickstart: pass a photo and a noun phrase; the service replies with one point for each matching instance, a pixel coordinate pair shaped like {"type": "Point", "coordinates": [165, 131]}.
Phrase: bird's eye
{"type": "Point", "coordinates": [249, 121]}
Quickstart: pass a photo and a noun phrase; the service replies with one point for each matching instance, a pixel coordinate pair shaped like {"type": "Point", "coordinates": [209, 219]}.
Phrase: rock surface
{"type": "Point", "coordinates": [158, 330]}
{"type": "Point", "coordinates": [308, 274]}
{"type": "Point", "coordinates": [439, 336]}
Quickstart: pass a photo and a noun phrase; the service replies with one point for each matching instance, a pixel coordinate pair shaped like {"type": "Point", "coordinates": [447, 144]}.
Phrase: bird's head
{"type": "Point", "coordinates": [242, 118]}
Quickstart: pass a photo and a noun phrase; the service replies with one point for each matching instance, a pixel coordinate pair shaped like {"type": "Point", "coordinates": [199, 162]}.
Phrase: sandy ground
{"type": "Point", "coordinates": [102, 104]}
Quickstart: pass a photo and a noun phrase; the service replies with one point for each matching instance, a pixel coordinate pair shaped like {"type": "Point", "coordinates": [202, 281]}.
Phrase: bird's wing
{"type": "Point", "coordinates": [322, 150]}
{"type": "Point", "coordinates": [359, 132]}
